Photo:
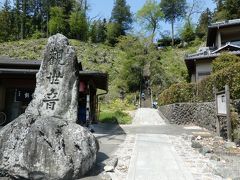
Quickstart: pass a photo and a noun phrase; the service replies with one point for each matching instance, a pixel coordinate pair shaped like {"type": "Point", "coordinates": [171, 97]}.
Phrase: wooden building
{"type": "Point", "coordinates": [222, 36]}
{"type": "Point", "coordinates": [17, 84]}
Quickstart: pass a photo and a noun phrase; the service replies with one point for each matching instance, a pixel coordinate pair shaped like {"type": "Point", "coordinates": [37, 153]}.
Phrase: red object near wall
{"type": "Point", "coordinates": [82, 86]}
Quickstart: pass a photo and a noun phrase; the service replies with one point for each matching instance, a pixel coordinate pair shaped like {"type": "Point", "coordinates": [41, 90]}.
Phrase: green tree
{"type": "Point", "coordinates": [122, 16]}
{"type": "Point", "coordinates": [150, 15]}
{"type": "Point", "coordinates": [204, 20]}
{"type": "Point", "coordinates": [102, 31]}
{"type": "Point", "coordinates": [78, 25]}
{"type": "Point", "coordinates": [187, 33]}
{"type": "Point", "coordinates": [113, 32]}
{"type": "Point", "coordinates": [132, 63]}
{"type": "Point", "coordinates": [57, 23]}
{"type": "Point", "coordinates": [232, 8]}
{"type": "Point", "coordinates": [98, 30]}
{"type": "Point", "coordinates": [93, 32]}
{"type": "Point", "coordinates": [6, 22]}
{"type": "Point", "coordinates": [195, 7]}
{"type": "Point", "coordinates": [220, 12]}
{"type": "Point", "coordinates": [173, 10]}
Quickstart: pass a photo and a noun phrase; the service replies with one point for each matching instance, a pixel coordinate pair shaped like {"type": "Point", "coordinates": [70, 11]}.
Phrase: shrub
{"type": "Point", "coordinates": [185, 92]}
{"type": "Point", "coordinates": [114, 117]}
{"type": "Point", "coordinates": [114, 112]}
{"type": "Point", "coordinates": [230, 76]}
{"type": "Point", "coordinates": [181, 92]}
{"type": "Point", "coordinates": [224, 60]}
{"type": "Point", "coordinates": [37, 35]}
{"type": "Point", "coordinates": [236, 135]}
{"type": "Point", "coordinates": [188, 33]}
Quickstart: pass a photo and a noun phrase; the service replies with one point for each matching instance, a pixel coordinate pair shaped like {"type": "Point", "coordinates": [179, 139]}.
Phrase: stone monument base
{"type": "Point", "coordinates": [37, 147]}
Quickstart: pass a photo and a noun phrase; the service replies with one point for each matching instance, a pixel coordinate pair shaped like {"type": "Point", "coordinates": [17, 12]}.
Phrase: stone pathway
{"type": "Point", "coordinates": [160, 156]}
{"type": "Point", "coordinates": [147, 116]}
{"type": "Point", "coordinates": [155, 158]}
{"type": "Point", "coordinates": [154, 150]}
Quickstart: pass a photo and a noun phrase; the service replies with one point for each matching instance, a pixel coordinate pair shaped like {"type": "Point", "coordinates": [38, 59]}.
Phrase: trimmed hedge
{"type": "Point", "coordinates": [181, 92]}
{"type": "Point", "coordinates": [203, 91]}
{"type": "Point", "coordinates": [230, 76]}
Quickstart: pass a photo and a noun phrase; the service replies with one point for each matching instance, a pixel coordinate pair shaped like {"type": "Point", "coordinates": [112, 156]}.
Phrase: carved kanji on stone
{"type": "Point", "coordinates": [55, 55]}
{"type": "Point", "coordinates": [51, 99]}
{"type": "Point", "coordinates": [54, 77]}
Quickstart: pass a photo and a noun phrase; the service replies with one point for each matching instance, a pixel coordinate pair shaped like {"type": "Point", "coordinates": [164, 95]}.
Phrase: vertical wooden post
{"type": "Point", "coordinates": [88, 110]}
{"type": "Point", "coordinates": [217, 120]}
{"type": "Point", "coordinates": [229, 124]}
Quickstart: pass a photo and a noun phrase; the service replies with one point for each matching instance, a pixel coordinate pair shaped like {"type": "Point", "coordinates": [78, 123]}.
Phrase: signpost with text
{"type": "Point", "coordinates": [222, 99]}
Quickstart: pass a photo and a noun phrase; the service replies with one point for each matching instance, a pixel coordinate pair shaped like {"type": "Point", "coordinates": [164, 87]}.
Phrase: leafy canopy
{"type": "Point", "coordinates": [173, 9]}
{"type": "Point", "coordinates": [57, 22]}
{"type": "Point", "coordinates": [188, 32]}
{"type": "Point", "coordinates": [150, 15]}
{"type": "Point", "coordinates": [78, 25]}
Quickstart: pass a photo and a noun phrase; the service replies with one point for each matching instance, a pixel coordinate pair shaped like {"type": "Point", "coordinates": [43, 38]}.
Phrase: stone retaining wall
{"type": "Point", "coordinates": [201, 114]}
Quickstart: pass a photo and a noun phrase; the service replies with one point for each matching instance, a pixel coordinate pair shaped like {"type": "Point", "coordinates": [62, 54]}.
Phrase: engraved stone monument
{"type": "Point", "coordinates": [45, 142]}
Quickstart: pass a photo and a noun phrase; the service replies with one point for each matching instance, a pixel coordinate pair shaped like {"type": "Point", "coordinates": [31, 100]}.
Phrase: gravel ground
{"type": "Point", "coordinates": [224, 154]}
{"type": "Point", "coordinates": [201, 167]}
{"type": "Point", "coordinates": [124, 154]}
{"type": "Point", "coordinates": [211, 166]}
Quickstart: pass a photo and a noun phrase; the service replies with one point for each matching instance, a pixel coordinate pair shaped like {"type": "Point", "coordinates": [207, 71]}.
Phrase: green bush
{"type": "Point", "coordinates": [181, 92]}
{"type": "Point", "coordinates": [117, 105]}
{"type": "Point", "coordinates": [219, 79]}
{"type": "Point", "coordinates": [114, 117]}
{"type": "Point", "coordinates": [236, 135]}
{"type": "Point", "coordinates": [224, 60]}
{"type": "Point", "coordinates": [114, 112]}
{"type": "Point", "coordinates": [37, 35]}
{"type": "Point", "coordinates": [203, 91]}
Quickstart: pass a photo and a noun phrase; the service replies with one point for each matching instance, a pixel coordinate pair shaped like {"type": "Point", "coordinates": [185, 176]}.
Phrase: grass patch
{"type": "Point", "coordinates": [115, 117]}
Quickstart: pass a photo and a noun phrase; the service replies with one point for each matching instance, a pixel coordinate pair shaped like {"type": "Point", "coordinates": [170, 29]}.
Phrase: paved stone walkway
{"type": "Point", "coordinates": [164, 156]}
{"type": "Point", "coordinates": [155, 158]}
{"type": "Point", "coordinates": [147, 116]}
{"type": "Point", "coordinates": [151, 149]}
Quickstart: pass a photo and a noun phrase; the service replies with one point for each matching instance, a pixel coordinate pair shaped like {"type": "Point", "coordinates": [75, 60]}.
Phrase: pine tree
{"type": "Point", "coordinates": [122, 16]}
{"type": "Point", "coordinates": [6, 22]}
{"type": "Point", "coordinates": [204, 20]}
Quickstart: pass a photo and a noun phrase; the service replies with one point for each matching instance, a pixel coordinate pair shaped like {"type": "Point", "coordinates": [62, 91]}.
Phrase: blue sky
{"type": "Point", "coordinates": [103, 8]}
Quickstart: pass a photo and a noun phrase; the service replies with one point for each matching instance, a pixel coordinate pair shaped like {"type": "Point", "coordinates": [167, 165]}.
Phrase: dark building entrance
{"type": "Point", "coordinates": [17, 84]}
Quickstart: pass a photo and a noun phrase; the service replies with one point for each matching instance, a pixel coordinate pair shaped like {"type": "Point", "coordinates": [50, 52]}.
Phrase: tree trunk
{"type": "Point", "coordinates": [47, 27]}
{"type": "Point", "coordinates": [153, 33]}
{"type": "Point", "coordinates": [23, 18]}
{"type": "Point", "coordinates": [172, 23]}
{"type": "Point", "coordinates": [17, 15]}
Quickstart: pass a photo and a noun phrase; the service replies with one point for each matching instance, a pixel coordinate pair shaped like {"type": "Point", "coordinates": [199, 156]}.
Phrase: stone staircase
{"type": "Point", "coordinates": [146, 103]}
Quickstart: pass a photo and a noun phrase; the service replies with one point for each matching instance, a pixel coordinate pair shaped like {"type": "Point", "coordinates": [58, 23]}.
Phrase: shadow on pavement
{"type": "Point", "coordinates": [109, 136]}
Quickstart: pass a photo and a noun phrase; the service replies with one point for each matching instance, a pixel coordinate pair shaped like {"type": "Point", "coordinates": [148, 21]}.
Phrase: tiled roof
{"type": "Point", "coordinates": [210, 55]}
{"type": "Point", "coordinates": [225, 23]}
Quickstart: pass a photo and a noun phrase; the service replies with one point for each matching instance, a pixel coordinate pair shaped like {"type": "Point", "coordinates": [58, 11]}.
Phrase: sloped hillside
{"type": "Point", "coordinates": [168, 69]}
{"type": "Point", "coordinates": [94, 57]}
